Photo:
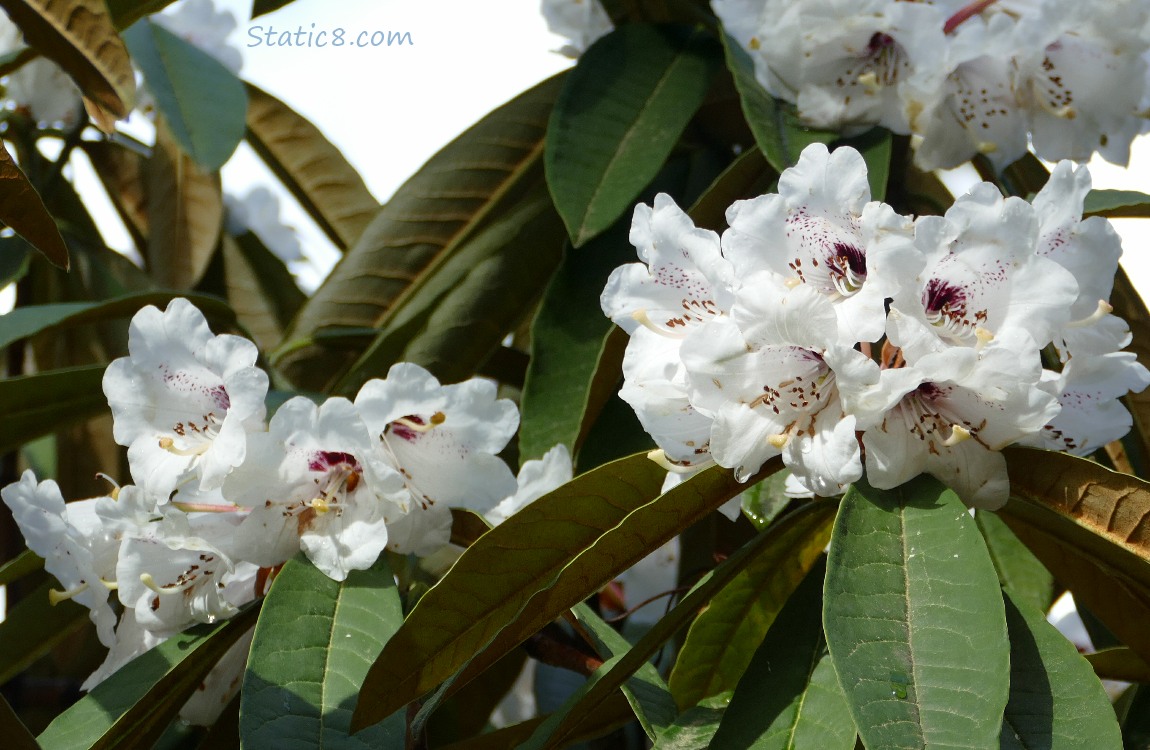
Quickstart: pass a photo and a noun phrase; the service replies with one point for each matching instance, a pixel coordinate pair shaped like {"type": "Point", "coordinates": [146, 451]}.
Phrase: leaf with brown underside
{"type": "Point", "coordinates": [1091, 528]}
{"type": "Point", "coordinates": [260, 288]}
{"type": "Point", "coordinates": [22, 209]}
{"type": "Point", "coordinates": [185, 213]}
{"type": "Point", "coordinates": [121, 171]}
{"type": "Point", "coordinates": [1129, 306]}
{"type": "Point", "coordinates": [80, 37]}
{"type": "Point", "coordinates": [311, 167]}
{"type": "Point", "coordinates": [459, 192]}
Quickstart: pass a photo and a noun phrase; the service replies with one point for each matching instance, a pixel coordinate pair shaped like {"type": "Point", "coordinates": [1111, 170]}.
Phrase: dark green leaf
{"type": "Point", "coordinates": [1134, 713]}
{"type": "Point", "coordinates": [33, 627]}
{"type": "Point", "coordinates": [203, 102]}
{"type": "Point", "coordinates": [1119, 663]}
{"type": "Point", "coordinates": [766, 500]}
{"type": "Point", "coordinates": [19, 566]}
{"type": "Point", "coordinates": [127, 12]}
{"type": "Point", "coordinates": [776, 126]}
{"type": "Point", "coordinates": [695, 729]}
{"type": "Point", "coordinates": [16, 735]}
{"type": "Point", "coordinates": [261, 289]}
{"type": "Point", "coordinates": [313, 644]}
{"type": "Point", "coordinates": [35, 405]}
{"type": "Point", "coordinates": [914, 619]}
{"type": "Point", "coordinates": [1019, 572]}
{"type": "Point", "coordinates": [790, 696]}
{"type": "Point", "coordinates": [132, 708]}
{"type": "Point", "coordinates": [261, 7]}
{"type": "Point", "coordinates": [1056, 701]}
{"type": "Point", "coordinates": [1116, 204]}
{"type": "Point", "coordinates": [748, 176]}
{"type": "Point", "coordinates": [14, 255]}
{"type": "Point", "coordinates": [618, 119]}
{"type": "Point", "coordinates": [876, 146]}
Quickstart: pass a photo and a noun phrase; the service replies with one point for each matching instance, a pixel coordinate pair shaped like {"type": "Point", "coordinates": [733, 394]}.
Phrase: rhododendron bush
{"type": "Point", "coordinates": [677, 403]}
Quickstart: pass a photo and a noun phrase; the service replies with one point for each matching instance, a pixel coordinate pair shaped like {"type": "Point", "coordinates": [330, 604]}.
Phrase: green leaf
{"type": "Point", "coordinates": [800, 535]}
{"type": "Point", "coordinates": [645, 690]}
{"type": "Point", "coordinates": [260, 288]}
{"type": "Point", "coordinates": [35, 405]}
{"type": "Point", "coordinates": [725, 636]}
{"type": "Point", "coordinates": [1056, 702]}
{"type": "Point", "coordinates": [19, 566]}
{"type": "Point", "coordinates": [766, 500]}
{"type": "Point", "coordinates": [127, 12]}
{"type": "Point", "coordinates": [310, 167]}
{"type": "Point", "coordinates": [1086, 524]}
{"type": "Point", "coordinates": [33, 627]}
{"type": "Point", "coordinates": [16, 735]}
{"type": "Point", "coordinates": [789, 697]}
{"type": "Point", "coordinates": [914, 619]}
{"type": "Point", "coordinates": [477, 177]}
{"type": "Point", "coordinates": [313, 644]}
{"type": "Point", "coordinates": [15, 252]}
{"type": "Point", "coordinates": [618, 118]}
{"type": "Point", "coordinates": [23, 210]}
{"type": "Point", "coordinates": [1119, 663]}
{"type": "Point", "coordinates": [262, 7]}
{"type": "Point", "coordinates": [203, 102]}
{"type": "Point", "coordinates": [877, 147]}
{"type": "Point", "coordinates": [1134, 713]}
{"type": "Point", "coordinates": [1019, 572]}
{"type": "Point", "coordinates": [534, 566]}
{"type": "Point", "coordinates": [132, 708]}
{"type": "Point", "coordinates": [775, 125]}
{"type": "Point", "coordinates": [1116, 204]}
{"type": "Point", "coordinates": [27, 321]}
{"type": "Point", "coordinates": [695, 728]}
{"type": "Point", "coordinates": [748, 176]}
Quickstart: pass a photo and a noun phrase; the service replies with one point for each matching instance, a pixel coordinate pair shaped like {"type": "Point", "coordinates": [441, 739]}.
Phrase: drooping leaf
{"type": "Point", "coordinates": [468, 712]}
{"type": "Point", "coordinates": [766, 500]}
{"type": "Point", "coordinates": [458, 192]}
{"type": "Point", "coordinates": [32, 319]}
{"type": "Point", "coordinates": [132, 708]}
{"type": "Point", "coordinates": [539, 563]}
{"type": "Point", "coordinates": [619, 116]}
{"type": "Point", "coordinates": [801, 534]}
{"type": "Point", "coordinates": [1129, 305]}
{"type": "Point", "coordinates": [16, 735]}
{"type": "Point", "coordinates": [122, 173]}
{"type": "Point", "coordinates": [876, 146]}
{"type": "Point", "coordinates": [790, 696]}
{"type": "Point", "coordinates": [724, 637]}
{"type": "Point", "coordinates": [79, 36]}
{"type": "Point", "coordinates": [695, 728]}
{"type": "Point", "coordinates": [1119, 663]}
{"type": "Point", "coordinates": [615, 713]}
{"type": "Point", "coordinates": [1088, 526]}
{"type": "Point", "coordinates": [127, 12]}
{"type": "Point", "coordinates": [185, 214]}
{"type": "Point", "coordinates": [203, 102]}
{"type": "Point", "coordinates": [460, 314]}
{"type": "Point", "coordinates": [262, 7]}
{"type": "Point", "coordinates": [19, 566]}
{"type": "Point", "coordinates": [1056, 702]}
{"type": "Point", "coordinates": [645, 690]}
{"type": "Point", "coordinates": [776, 126]}
{"type": "Point", "coordinates": [33, 627]}
{"type": "Point", "coordinates": [1115, 204]}
{"type": "Point", "coordinates": [313, 644]}
{"type": "Point", "coordinates": [309, 165]}
{"type": "Point", "coordinates": [1134, 713]}
{"type": "Point", "coordinates": [748, 176]}
{"type": "Point", "coordinates": [35, 405]}
{"type": "Point", "coordinates": [22, 209]}
{"type": "Point", "coordinates": [1019, 572]}
{"type": "Point", "coordinates": [261, 289]}
{"type": "Point", "coordinates": [914, 619]}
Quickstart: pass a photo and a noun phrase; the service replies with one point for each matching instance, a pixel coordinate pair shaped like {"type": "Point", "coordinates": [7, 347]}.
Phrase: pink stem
{"type": "Point", "coordinates": [965, 14]}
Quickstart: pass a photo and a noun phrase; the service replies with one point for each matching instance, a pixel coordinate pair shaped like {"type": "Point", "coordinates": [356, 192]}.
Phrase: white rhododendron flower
{"type": "Point", "coordinates": [184, 401]}
{"type": "Point", "coordinates": [536, 478]}
{"type": "Point", "coordinates": [580, 22]}
{"type": "Point", "coordinates": [199, 23]}
{"type": "Point", "coordinates": [258, 211]}
{"type": "Point", "coordinates": [855, 337]}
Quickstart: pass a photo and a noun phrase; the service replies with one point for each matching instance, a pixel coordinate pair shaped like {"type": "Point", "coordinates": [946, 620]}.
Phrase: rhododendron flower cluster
{"type": "Point", "coordinates": [826, 328]}
{"type": "Point", "coordinates": [967, 76]}
{"type": "Point", "coordinates": [220, 498]}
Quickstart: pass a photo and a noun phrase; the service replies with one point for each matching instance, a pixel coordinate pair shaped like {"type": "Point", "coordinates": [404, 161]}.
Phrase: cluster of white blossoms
{"type": "Point", "coordinates": [580, 22]}
{"type": "Point", "coordinates": [965, 76]}
{"type": "Point", "coordinates": [220, 498]}
{"type": "Point", "coordinates": [830, 330]}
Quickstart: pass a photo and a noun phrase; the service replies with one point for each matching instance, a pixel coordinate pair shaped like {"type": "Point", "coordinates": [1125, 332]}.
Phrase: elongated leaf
{"type": "Point", "coordinates": [461, 313]}
{"type": "Point", "coordinates": [27, 321]}
{"type": "Point", "coordinates": [1117, 204]}
{"type": "Point", "coordinates": [35, 405]}
{"type": "Point", "coordinates": [615, 713]}
{"type": "Point", "coordinates": [876, 146]}
{"type": "Point", "coordinates": [646, 691]}
{"type": "Point", "coordinates": [1019, 572]}
{"type": "Point", "coordinates": [133, 707]}
{"type": "Point", "coordinates": [619, 116]}
{"type": "Point", "coordinates": [22, 209]}
{"type": "Point", "coordinates": [33, 627]}
{"type": "Point", "coordinates": [127, 12]}
{"type": "Point", "coordinates": [776, 127]}
{"type": "Point", "coordinates": [80, 37]}
{"type": "Point", "coordinates": [260, 288]}
{"type": "Point", "coordinates": [185, 214]}
{"type": "Point", "coordinates": [914, 619]}
{"type": "Point", "coordinates": [801, 534]}
{"type": "Point", "coordinates": [475, 178]}
{"type": "Point", "coordinates": [311, 167]}
{"type": "Point", "coordinates": [695, 728]}
{"type": "Point", "coordinates": [203, 102]}
{"type": "Point", "coordinates": [1129, 305]}
{"type": "Point", "coordinates": [19, 566]}
{"type": "Point", "coordinates": [790, 696]}
{"type": "Point", "coordinates": [312, 647]}
{"type": "Point", "coordinates": [522, 574]}
{"type": "Point", "coordinates": [1087, 525]}
{"type": "Point", "coordinates": [122, 173]}
{"type": "Point", "coordinates": [724, 638]}
{"type": "Point", "coordinates": [748, 176]}
{"type": "Point", "coordinates": [16, 735]}
{"type": "Point", "coordinates": [1056, 701]}
{"type": "Point", "coordinates": [262, 7]}
{"type": "Point", "coordinates": [1119, 663]}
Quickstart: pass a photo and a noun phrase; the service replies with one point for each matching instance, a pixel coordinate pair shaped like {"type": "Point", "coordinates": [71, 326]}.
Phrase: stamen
{"type": "Point", "coordinates": [984, 336]}
{"type": "Point", "coordinates": [55, 596]}
{"type": "Point", "coordinates": [869, 81]}
{"type": "Point", "coordinates": [436, 419]}
{"type": "Point", "coordinates": [965, 14]}
{"type": "Point", "coordinates": [150, 582]}
{"type": "Point", "coordinates": [958, 434]}
{"type": "Point", "coordinates": [115, 493]}
{"type": "Point", "coordinates": [206, 507]}
{"type": "Point", "coordinates": [1104, 308]}
{"type": "Point", "coordinates": [792, 282]}
{"type": "Point", "coordinates": [778, 441]}
{"type": "Point", "coordinates": [659, 456]}
{"type": "Point", "coordinates": [987, 147]}
{"type": "Point", "coordinates": [644, 320]}
{"type": "Point", "coordinates": [170, 446]}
